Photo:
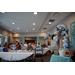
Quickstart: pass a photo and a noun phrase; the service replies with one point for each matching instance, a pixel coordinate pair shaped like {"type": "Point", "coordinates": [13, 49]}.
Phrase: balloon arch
{"type": "Point", "coordinates": [64, 35]}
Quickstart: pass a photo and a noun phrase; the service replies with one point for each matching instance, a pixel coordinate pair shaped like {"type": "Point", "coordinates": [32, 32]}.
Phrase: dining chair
{"type": "Point", "coordinates": [39, 55]}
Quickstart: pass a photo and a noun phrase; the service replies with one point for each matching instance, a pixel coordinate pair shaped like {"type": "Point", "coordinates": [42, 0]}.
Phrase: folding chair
{"type": "Point", "coordinates": [38, 55]}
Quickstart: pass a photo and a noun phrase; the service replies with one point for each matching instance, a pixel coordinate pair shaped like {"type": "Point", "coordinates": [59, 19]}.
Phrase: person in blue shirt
{"type": "Point", "coordinates": [5, 49]}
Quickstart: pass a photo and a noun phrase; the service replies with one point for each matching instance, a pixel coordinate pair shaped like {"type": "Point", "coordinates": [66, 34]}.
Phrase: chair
{"type": "Point", "coordinates": [38, 55]}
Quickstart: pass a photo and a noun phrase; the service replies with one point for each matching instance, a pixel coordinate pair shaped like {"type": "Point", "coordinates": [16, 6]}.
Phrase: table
{"type": "Point", "coordinates": [14, 56]}
{"type": "Point", "coordinates": [58, 58]}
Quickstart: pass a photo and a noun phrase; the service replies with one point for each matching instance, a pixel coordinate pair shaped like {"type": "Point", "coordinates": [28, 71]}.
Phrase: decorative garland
{"type": "Point", "coordinates": [64, 35]}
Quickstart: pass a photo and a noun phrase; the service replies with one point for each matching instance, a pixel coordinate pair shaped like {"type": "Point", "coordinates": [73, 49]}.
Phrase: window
{"type": "Point", "coordinates": [3, 38]}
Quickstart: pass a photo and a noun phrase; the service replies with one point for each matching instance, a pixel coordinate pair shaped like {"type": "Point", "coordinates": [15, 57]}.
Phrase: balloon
{"type": "Point", "coordinates": [57, 29]}
{"type": "Point", "coordinates": [66, 30]}
{"type": "Point", "coordinates": [55, 35]}
{"type": "Point", "coordinates": [56, 43]}
{"type": "Point", "coordinates": [67, 41]}
{"type": "Point", "coordinates": [48, 35]}
{"type": "Point", "coordinates": [66, 35]}
{"type": "Point", "coordinates": [67, 46]}
{"type": "Point", "coordinates": [63, 34]}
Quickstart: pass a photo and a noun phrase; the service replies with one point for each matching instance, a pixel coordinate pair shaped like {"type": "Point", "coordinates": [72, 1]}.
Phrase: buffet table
{"type": "Point", "coordinates": [58, 58]}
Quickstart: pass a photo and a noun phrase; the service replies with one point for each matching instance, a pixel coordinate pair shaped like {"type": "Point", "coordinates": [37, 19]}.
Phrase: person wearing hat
{"type": "Point", "coordinates": [29, 47]}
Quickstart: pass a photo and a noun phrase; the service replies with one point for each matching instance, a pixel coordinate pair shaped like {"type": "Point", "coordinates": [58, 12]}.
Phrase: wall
{"type": "Point", "coordinates": [16, 39]}
{"type": "Point", "coordinates": [66, 21]}
{"type": "Point", "coordinates": [29, 34]}
{"type": "Point", "coordinates": [4, 32]}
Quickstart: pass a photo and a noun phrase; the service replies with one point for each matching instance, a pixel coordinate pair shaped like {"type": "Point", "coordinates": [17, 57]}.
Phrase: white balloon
{"type": "Point", "coordinates": [66, 35]}
{"type": "Point", "coordinates": [65, 39]}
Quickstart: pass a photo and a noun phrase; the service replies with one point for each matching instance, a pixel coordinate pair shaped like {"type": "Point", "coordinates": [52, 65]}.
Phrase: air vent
{"type": "Point", "coordinates": [44, 28]}
{"type": "Point", "coordinates": [51, 20]}
{"type": "Point", "coordinates": [57, 14]}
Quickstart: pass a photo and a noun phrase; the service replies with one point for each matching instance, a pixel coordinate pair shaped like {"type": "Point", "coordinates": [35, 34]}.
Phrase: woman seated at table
{"type": "Point", "coordinates": [29, 47]}
{"type": "Point", "coordinates": [18, 46]}
{"type": "Point", "coordinates": [72, 55]}
{"type": "Point", "coordinates": [44, 45]}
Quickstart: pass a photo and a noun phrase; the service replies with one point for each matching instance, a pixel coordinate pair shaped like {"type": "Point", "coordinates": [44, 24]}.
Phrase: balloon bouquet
{"type": "Point", "coordinates": [64, 36]}
{"type": "Point", "coordinates": [47, 36]}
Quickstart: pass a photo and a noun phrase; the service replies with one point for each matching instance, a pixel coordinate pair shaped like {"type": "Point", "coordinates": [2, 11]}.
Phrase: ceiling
{"type": "Point", "coordinates": [24, 21]}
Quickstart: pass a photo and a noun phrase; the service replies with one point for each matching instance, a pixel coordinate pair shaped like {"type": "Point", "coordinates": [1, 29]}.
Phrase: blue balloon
{"type": "Point", "coordinates": [63, 29]}
{"type": "Point", "coordinates": [56, 43]}
{"type": "Point", "coordinates": [66, 30]}
{"type": "Point", "coordinates": [67, 46]}
{"type": "Point", "coordinates": [48, 35]}
{"type": "Point", "coordinates": [67, 41]}
{"type": "Point", "coordinates": [57, 29]}
{"type": "Point", "coordinates": [55, 35]}
{"type": "Point", "coordinates": [63, 34]}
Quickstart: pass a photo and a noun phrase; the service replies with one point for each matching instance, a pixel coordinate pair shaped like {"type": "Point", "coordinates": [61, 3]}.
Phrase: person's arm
{"type": "Point", "coordinates": [26, 47]}
{"type": "Point", "coordinates": [71, 52]}
{"type": "Point", "coordinates": [32, 48]}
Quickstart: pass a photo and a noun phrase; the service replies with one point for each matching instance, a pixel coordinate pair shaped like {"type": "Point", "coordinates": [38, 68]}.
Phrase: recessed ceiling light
{"type": "Point", "coordinates": [49, 22]}
{"type": "Point", "coordinates": [10, 29]}
{"type": "Point", "coordinates": [26, 30]}
{"type": "Point", "coordinates": [13, 22]}
{"type": "Point", "coordinates": [35, 13]}
{"type": "Point", "coordinates": [33, 23]}
{"type": "Point", "coordinates": [42, 30]}
{"type": "Point", "coordinates": [33, 28]}
{"type": "Point", "coordinates": [17, 28]}
{"type": "Point", "coordinates": [3, 12]}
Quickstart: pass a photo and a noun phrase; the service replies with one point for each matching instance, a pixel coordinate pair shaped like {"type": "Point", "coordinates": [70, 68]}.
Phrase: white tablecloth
{"type": "Point", "coordinates": [13, 56]}
{"type": "Point", "coordinates": [19, 55]}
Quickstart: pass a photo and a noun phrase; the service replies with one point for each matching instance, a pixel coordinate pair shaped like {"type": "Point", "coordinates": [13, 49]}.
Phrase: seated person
{"type": "Point", "coordinates": [44, 45]}
{"type": "Point", "coordinates": [5, 49]}
{"type": "Point", "coordinates": [29, 47]}
{"type": "Point", "coordinates": [72, 55]}
{"type": "Point", "coordinates": [25, 44]}
{"type": "Point", "coordinates": [18, 46]}
{"type": "Point", "coordinates": [38, 45]}
{"type": "Point", "coordinates": [33, 45]}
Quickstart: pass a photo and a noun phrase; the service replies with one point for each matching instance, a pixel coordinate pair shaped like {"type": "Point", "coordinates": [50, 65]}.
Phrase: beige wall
{"type": "Point", "coordinates": [16, 39]}
{"type": "Point", "coordinates": [4, 32]}
{"type": "Point", "coordinates": [29, 34]}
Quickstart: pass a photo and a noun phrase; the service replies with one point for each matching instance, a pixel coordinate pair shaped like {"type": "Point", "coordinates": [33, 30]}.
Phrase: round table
{"type": "Point", "coordinates": [16, 55]}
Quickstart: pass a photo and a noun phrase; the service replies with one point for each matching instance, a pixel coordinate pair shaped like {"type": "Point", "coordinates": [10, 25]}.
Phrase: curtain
{"type": "Point", "coordinates": [39, 40]}
{"type": "Point", "coordinates": [21, 40]}
{"type": "Point", "coordinates": [8, 39]}
{"type": "Point", "coordinates": [72, 33]}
